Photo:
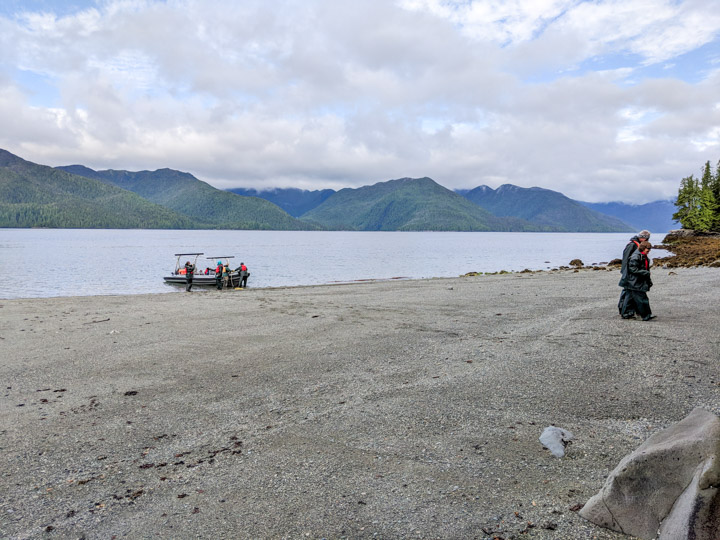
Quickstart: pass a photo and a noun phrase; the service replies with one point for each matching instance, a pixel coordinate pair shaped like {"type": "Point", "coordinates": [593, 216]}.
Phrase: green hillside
{"type": "Point", "coordinates": [544, 207]}
{"type": "Point", "coordinates": [407, 205]}
{"type": "Point", "coordinates": [187, 195]}
{"type": "Point", "coordinates": [34, 195]}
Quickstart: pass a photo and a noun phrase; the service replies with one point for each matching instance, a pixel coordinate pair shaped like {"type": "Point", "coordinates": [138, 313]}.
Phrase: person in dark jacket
{"type": "Point", "coordinates": [189, 271]}
{"type": "Point", "coordinates": [218, 275]}
{"type": "Point", "coordinates": [638, 281]}
{"type": "Point", "coordinates": [625, 305]}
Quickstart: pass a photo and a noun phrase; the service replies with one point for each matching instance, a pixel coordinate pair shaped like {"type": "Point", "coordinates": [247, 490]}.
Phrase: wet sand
{"type": "Point", "coordinates": [405, 409]}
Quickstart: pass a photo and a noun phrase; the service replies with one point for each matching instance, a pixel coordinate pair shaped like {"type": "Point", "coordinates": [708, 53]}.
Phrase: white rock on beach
{"type": "Point", "coordinates": [556, 440]}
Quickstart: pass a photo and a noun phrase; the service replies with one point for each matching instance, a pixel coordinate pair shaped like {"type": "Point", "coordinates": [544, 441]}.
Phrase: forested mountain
{"type": "Point", "coordinates": [34, 195]}
{"type": "Point", "coordinates": [544, 207]}
{"type": "Point", "coordinates": [187, 195]}
{"type": "Point", "coordinates": [407, 204]}
{"type": "Point", "coordinates": [655, 216]}
{"type": "Point", "coordinates": [294, 201]}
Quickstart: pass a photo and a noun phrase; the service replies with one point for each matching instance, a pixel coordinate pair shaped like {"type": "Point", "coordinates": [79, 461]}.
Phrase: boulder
{"type": "Point", "coordinates": [576, 263]}
{"type": "Point", "coordinates": [670, 485]}
{"type": "Point", "coordinates": [678, 233]}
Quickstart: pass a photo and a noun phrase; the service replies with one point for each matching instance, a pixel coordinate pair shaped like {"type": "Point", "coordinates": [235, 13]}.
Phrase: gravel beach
{"type": "Point", "coordinates": [399, 409]}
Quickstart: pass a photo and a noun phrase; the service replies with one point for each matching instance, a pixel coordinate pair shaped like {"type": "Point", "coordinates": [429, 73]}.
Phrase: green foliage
{"type": "Point", "coordinates": [715, 189]}
{"type": "Point", "coordinates": [698, 201]}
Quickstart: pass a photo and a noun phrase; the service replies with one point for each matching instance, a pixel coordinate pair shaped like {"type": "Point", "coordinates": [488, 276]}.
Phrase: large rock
{"type": "Point", "coordinates": [678, 233]}
{"type": "Point", "coordinates": [669, 486]}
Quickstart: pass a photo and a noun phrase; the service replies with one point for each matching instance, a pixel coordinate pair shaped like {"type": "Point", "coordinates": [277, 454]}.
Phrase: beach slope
{"type": "Point", "coordinates": [395, 409]}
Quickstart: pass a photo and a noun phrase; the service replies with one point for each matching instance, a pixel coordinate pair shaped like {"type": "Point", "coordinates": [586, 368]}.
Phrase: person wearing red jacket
{"type": "Point", "coordinates": [243, 275]}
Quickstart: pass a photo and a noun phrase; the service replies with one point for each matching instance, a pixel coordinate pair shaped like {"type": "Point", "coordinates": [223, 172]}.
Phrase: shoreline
{"type": "Point", "coordinates": [179, 289]}
{"type": "Point", "coordinates": [401, 408]}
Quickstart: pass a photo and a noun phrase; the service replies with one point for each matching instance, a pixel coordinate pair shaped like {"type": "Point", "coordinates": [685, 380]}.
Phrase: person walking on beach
{"type": "Point", "coordinates": [638, 282]}
{"type": "Point", "coordinates": [218, 275]}
{"type": "Point", "coordinates": [625, 305]}
{"type": "Point", "coordinates": [189, 271]}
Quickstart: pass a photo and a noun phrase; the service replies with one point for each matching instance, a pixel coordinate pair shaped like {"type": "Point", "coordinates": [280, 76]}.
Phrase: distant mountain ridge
{"type": "Point", "coordinates": [654, 216]}
{"type": "Point", "coordinates": [543, 207]}
{"type": "Point", "coordinates": [294, 201]}
{"type": "Point", "coordinates": [407, 204]}
{"type": "Point", "coordinates": [183, 193]}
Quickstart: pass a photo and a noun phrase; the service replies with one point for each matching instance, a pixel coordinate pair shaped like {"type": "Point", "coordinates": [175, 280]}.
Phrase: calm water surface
{"type": "Point", "coordinates": [80, 262]}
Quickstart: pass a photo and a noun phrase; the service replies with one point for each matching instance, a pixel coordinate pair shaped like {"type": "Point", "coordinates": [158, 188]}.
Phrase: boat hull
{"type": "Point", "coordinates": [202, 280]}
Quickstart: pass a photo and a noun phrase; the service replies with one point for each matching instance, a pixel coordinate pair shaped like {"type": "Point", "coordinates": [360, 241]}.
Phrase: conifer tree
{"type": "Point", "coordinates": [707, 213]}
{"type": "Point", "coordinates": [698, 201]}
{"type": "Point", "coordinates": [715, 188]}
{"type": "Point", "coordinates": [688, 203]}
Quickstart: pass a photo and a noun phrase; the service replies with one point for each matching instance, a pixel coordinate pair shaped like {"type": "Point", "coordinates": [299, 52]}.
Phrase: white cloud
{"type": "Point", "coordinates": [333, 94]}
{"type": "Point", "coordinates": [499, 21]}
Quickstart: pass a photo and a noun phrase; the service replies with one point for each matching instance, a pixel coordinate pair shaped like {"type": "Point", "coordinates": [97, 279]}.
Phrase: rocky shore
{"type": "Point", "coordinates": [690, 249]}
{"type": "Point", "coordinates": [404, 409]}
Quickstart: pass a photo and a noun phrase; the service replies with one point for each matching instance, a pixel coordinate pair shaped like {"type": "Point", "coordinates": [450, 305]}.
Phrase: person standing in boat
{"type": "Point", "coordinates": [218, 275]}
{"type": "Point", "coordinates": [189, 271]}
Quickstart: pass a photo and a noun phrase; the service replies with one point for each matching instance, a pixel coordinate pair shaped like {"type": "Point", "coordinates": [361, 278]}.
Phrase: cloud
{"type": "Point", "coordinates": [339, 94]}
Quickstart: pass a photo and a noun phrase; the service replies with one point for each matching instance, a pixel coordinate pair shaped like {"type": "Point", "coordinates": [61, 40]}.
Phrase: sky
{"type": "Point", "coordinates": [603, 100]}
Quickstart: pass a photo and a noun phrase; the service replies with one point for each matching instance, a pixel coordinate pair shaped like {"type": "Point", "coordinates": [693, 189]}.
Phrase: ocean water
{"type": "Point", "coordinates": [81, 262]}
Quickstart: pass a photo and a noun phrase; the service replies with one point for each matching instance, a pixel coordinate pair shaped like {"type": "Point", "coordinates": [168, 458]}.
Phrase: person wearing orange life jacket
{"type": "Point", "coordinates": [625, 303]}
{"type": "Point", "coordinates": [243, 275]}
{"type": "Point", "coordinates": [218, 275]}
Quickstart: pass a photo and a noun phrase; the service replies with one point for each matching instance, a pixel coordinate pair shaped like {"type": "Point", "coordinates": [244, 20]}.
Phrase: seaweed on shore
{"type": "Point", "coordinates": [690, 250]}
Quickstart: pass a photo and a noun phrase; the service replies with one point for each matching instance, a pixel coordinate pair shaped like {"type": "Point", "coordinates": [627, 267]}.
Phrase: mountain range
{"type": "Point", "coordinates": [206, 205]}
{"type": "Point", "coordinates": [34, 195]}
{"type": "Point", "coordinates": [543, 207]}
{"type": "Point", "coordinates": [654, 216]}
{"type": "Point", "coordinates": [408, 204]}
